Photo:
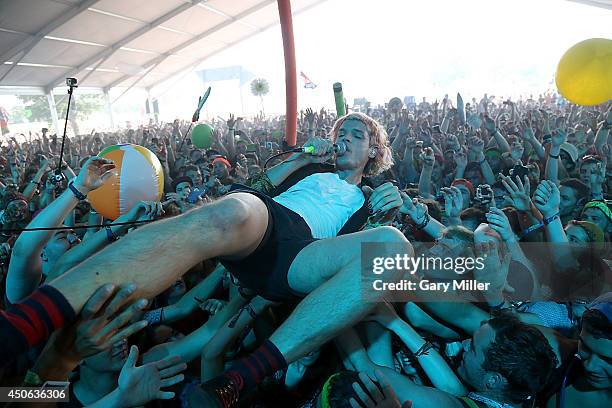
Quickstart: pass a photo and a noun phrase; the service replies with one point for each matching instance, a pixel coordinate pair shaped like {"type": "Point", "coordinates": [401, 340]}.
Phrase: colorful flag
{"type": "Point", "coordinates": [4, 118]}
{"type": "Point", "coordinates": [308, 84]}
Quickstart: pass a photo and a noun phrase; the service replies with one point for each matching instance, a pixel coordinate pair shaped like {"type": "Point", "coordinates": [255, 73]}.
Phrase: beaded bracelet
{"type": "Point", "coordinates": [153, 316]}
{"type": "Point", "coordinates": [423, 223]}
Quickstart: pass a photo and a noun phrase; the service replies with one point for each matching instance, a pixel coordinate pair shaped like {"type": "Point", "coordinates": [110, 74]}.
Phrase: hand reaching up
{"type": "Point", "coordinates": [139, 385]}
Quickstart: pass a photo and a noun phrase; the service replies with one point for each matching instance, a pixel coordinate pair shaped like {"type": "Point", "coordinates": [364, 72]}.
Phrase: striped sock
{"type": "Point", "coordinates": [251, 370]}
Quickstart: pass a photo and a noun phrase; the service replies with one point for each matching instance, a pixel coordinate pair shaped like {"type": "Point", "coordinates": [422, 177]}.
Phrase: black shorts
{"type": "Point", "coordinates": [265, 270]}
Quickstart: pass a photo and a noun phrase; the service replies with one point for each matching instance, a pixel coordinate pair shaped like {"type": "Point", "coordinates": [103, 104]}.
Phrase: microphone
{"type": "Point", "coordinates": [339, 149]}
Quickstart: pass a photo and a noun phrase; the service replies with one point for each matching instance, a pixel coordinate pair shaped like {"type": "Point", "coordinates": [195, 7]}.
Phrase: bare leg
{"type": "Point", "coordinates": [331, 271]}
{"type": "Point", "coordinates": [154, 256]}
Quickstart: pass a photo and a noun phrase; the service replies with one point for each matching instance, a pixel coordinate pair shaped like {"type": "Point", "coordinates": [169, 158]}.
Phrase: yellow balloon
{"type": "Point", "coordinates": [584, 73]}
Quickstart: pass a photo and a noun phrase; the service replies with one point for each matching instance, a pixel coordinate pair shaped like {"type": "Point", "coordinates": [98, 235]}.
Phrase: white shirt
{"type": "Point", "coordinates": [324, 201]}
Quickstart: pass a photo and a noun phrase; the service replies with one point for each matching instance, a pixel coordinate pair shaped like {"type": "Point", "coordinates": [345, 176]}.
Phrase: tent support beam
{"type": "Point", "coordinates": [53, 109]}
{"type": "Point", "coordinates": [109, 109]}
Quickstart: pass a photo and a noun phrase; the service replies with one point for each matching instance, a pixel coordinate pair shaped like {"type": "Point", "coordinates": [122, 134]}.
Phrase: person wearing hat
{"type": "Point", "coordinates": [182, 187]}
{"type": "Point", "coordinates": [598, 212]}
{"type": "Point", "coordinates": [221, 168]}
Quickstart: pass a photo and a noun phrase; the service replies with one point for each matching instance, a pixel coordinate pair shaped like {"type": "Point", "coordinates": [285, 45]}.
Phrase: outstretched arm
{"type": "Point", "coordinates": [191, 300]}
{"type": "Point", "coordinates": [436, 368]}
{"type": "Point", "coordinates": [25, 267]}
{"type": "Point", "coordinates": [142, 211]}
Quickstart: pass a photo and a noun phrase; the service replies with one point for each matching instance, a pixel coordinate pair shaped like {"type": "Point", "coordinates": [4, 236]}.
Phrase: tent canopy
{"type": "Point", "coordinates": [110, 43]}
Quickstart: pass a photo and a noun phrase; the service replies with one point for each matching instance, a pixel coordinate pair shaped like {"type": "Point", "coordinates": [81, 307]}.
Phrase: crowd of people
{"type": "Point", "coordinates": [243, 286]}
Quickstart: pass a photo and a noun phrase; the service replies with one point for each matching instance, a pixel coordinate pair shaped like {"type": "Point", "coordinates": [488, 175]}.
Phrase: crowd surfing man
{"type": "Point", "coordinates": [294, 235]}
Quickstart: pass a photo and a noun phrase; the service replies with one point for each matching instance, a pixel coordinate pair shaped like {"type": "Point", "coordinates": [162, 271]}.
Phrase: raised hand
{"type": "Point", "coordinates": [527, 131]}
{"type": "Point", "coordinates": [453, 201]}
{"type": "Point", "coordinates": [452, 143]}
{"type": "Point", "coordinates": [499, 222]}
{"type": "Point", "coordinates": [428, 157]}
{"type": "Point", "coordinates": [489, 124]}
{"type": "Point", "coordinates": [516, 150]}
{"type": "Point", "coordinates": [413, 208]}
{"type": "Point", "coordinates": [476, 145]}
{"type": "Point", "coordinates": [460, 158]}
{"type": "Point", "coordinates": [232, 121]}
{"type": "Point", "coordinates": [519, 192]}
{"type": "Point", "coordinates": [100, 326]}
{"type": "Point", "coordinates": [93, 174]}
{"type": "Point", "coordinates": [547, 198]}
{"type": "Point", "coordinates": [139, 385]}
{"type": "Point", "coordinates": [559, 136]}
{"type": "Point", "coordinates": [311, 119]}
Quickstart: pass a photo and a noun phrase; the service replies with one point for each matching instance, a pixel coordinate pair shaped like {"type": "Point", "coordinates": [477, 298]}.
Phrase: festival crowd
{"type": "Point", "coordinates": [241, 286]}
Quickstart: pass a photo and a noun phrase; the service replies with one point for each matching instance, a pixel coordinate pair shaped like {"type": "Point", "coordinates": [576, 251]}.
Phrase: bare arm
{"type": "Point", "coordinates": [436, 368]}
{"type": "Point", "coordinates": [189, 301]}
{"type": "Point", "coordinates": [25, 267]}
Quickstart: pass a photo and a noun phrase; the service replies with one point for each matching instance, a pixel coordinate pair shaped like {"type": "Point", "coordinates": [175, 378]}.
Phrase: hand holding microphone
{"type": "Point", "coordinates": [320, 150]}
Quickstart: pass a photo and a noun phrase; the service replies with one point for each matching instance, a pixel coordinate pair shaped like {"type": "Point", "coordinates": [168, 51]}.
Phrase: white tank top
{"type": "Point", "coordinates": [324, 201]}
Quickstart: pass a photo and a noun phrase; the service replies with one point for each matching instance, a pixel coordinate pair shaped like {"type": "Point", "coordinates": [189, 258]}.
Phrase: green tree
{"type": "Point", "coordinates": [83, 106]}
{"type": "Point", "coordinates": [36, 107]}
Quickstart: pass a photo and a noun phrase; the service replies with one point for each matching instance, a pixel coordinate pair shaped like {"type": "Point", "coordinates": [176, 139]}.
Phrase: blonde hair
{"type": "Point", "coordinates": [378, 137]}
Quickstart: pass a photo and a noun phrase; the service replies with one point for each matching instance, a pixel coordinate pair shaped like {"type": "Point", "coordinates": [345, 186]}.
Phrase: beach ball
{"type": "Point", "coordinates": [584, 73]}
{"type": "Point", "coordinates": [138, 176]}
{"type": "Point", "coordinates": [202, 136]}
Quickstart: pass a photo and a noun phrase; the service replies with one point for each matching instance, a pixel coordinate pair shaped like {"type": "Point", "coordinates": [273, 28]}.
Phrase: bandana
{"type": "Point", "coordinates": [222, 160]}
{"type": "Point", "coordinates": [466, 183]}
{"type": "Point", "coordinates": [601, 205]}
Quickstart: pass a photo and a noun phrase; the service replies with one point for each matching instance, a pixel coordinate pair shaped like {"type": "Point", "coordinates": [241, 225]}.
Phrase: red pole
{"type": "Point", "coordinates": [286, 22]}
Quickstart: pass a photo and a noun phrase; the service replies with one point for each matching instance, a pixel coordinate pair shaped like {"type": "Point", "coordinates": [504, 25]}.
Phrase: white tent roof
{"type": "Point", "coordinates": [110, 43]}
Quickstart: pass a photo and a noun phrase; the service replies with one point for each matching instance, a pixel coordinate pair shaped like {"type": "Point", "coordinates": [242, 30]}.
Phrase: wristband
{"type": "Point", "coordinates": [80, 196]}
{"type": "Point", "coordinates": [424, 349]}
{"type": "Point", "coordinates": [110, 235]}
{"type": "Point", "coordinates": [423, 223]}
{"type": "Point", "coordinates": [482, 161]}
{"type": "Point", "coordinates": [552, 156]}
{"type": "Point", "coordinates": [534, 227]}
{"type": "Point", "coordinates": [551, 218]}
{"type": "Point", "coordinates": [249, 310]}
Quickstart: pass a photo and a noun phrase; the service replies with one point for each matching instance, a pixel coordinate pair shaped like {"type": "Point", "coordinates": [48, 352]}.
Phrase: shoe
{"type": "Point", "coordinates": [220, 392]}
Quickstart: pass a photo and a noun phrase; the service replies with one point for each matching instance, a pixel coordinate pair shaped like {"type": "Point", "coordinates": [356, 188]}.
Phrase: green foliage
{"type": "Point", "coordinates": [36, 107]}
